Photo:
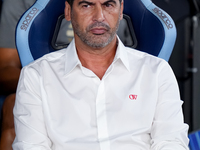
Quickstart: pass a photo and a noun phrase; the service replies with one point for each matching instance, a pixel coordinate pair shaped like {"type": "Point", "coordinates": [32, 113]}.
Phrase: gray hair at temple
{"type": "Point", "coordinates": [72, 1]}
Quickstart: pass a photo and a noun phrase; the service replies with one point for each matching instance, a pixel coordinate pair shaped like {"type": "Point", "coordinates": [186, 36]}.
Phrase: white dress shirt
{"type": "Point", "coordinates": [61, 105]}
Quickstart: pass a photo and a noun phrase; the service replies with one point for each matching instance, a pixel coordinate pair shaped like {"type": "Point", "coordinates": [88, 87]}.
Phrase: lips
{"type": "Point", "coordinates": [98, 28]}
{"type": "Point", "coordinates": [98, 31]}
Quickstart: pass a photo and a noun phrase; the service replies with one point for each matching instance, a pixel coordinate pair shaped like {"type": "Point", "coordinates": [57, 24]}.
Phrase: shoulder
{"type": "Point", "coordinates": [50, 59]}
{"type": "Point", "coordinates": [14, 9]}
{"type": "Point", "coordinates": [144, 59]}
{"type": "Point", "coordinates": [150, 66]}
{"type": "Point", "coordinates": [10, 14]}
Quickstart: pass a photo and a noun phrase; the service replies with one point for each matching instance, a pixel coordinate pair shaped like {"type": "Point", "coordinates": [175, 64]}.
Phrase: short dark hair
{"type": "Point", "coordinates": [72, 1]}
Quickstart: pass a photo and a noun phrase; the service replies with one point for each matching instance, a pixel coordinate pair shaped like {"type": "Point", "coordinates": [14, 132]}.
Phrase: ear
{"type": "Point", "coordinates": [67, 11]}
{"type": "Point", "coordinates": [122, 9]}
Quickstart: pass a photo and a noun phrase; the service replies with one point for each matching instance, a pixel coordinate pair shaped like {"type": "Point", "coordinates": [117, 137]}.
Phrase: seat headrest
{"type": "Point", "coordinates": [154, 29]}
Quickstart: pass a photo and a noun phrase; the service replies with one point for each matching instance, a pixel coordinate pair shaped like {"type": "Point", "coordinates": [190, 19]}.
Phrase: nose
{"type": "Point", "coordinates": [98, 14]}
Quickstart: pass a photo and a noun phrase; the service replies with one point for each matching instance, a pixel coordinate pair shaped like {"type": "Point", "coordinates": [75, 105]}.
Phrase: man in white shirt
{"type": "Point", "coordinates": [98, 94]}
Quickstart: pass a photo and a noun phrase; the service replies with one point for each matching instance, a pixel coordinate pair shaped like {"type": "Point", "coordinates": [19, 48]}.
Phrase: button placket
{"type": "Point", "coordinates": [102, 126]}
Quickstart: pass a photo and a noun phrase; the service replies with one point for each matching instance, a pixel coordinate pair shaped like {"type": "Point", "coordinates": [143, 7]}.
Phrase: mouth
{"type": "Point", "coordinates": [98, 31]}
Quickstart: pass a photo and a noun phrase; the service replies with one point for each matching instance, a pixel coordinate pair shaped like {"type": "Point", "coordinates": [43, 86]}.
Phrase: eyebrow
{"type": "Point", "coordinates": [86, 2]}
{"type": "Point", "coordinates": [91, 3]}
{"type": "Point", "coordinates": [108, 1]}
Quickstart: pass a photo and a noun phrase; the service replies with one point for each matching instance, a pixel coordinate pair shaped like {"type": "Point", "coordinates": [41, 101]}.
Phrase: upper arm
{"type": "Point", "coordinates": [168, 128]}
{"type": "Point", "coordinates": [30, 126]}
{"type": "Point", "coordinates": [10, 68]}
{"type": "Point", "coordinates": [9, 57]}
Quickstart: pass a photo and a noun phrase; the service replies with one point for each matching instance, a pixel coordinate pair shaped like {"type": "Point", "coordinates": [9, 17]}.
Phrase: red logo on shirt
{"type": "Point", "coordinates": [133, 97]}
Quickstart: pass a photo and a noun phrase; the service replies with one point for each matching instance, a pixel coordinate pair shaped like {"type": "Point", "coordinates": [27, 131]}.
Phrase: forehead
{"type": "Point", "coordinates": [96, 1]}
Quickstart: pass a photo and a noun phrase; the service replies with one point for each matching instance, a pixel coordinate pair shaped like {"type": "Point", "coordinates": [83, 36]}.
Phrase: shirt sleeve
{"type": "Point", "coordinates": [31, 132]}
{"type": "Point", "coordinates": [169, 132]}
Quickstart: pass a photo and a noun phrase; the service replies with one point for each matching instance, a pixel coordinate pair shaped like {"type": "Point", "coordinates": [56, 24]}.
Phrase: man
{"type": "Point", "coordinates": [97, 94]}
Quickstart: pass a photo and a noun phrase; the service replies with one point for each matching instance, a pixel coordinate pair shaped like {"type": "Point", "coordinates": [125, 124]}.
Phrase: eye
{"type": "Point", "coordinates": [86, 6]}
{"type": "Point", "coordinates": [108, 5]}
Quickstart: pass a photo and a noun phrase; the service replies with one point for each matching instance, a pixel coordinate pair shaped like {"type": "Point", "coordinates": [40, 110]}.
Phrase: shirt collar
{"type": "Point", "coordinates": [72, 59]}
{"type": "Point", "coordinates": [121, 54]}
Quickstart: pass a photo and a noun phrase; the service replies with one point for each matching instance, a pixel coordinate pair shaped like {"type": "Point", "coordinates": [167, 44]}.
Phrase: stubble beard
{"type": "Point", "coordinates": [94, 40]}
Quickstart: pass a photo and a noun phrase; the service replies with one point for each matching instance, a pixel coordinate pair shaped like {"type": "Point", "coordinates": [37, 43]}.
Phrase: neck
{"type": "Point", "coordinates": [97, 60]}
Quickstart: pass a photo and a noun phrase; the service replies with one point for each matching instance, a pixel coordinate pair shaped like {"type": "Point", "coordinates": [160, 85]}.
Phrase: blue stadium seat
{"type": "Point", "coordinates": [153, 28]}
{"type": "Point", "coordinates": [194, 140]}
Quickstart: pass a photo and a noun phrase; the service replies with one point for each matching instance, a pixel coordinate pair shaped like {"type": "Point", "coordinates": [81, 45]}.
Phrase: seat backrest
{"type": "Point", "coordinates": [194, 140]}
{"type": "Point", "coordinates": [154, 29]}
